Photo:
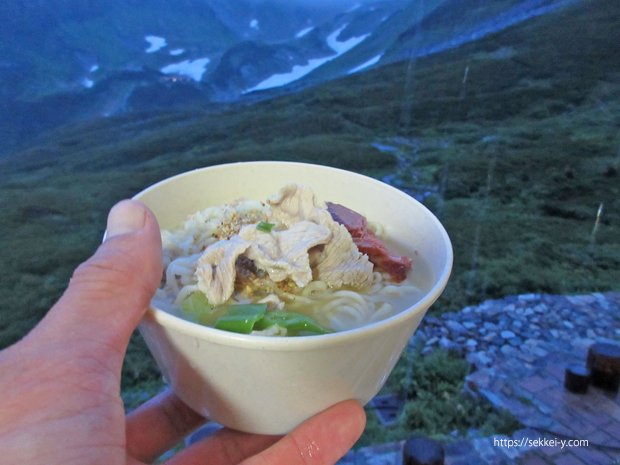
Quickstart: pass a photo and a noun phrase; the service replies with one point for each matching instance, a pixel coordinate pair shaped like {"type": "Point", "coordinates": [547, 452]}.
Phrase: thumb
{"type": "Point", "coordinates": [108, 294]}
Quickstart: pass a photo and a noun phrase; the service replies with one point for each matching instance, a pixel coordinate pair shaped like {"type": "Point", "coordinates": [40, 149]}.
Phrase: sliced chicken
{"type": "Point", "coordinates": [284, 254]}
{"type": "Point", "coordinates": [295, 203]}
{"type": "Point", "coordinates": [340, 263]}
{"type": "Point", "coordinates": [216, 270]}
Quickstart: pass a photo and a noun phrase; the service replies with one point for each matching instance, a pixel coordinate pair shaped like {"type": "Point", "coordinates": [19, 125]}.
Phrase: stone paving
{"type": "Point", "coordinates": [519, 347]}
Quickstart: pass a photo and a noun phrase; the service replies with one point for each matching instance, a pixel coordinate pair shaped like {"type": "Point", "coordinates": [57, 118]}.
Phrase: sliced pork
{"type": "Point", "coordinates": [367, 242]}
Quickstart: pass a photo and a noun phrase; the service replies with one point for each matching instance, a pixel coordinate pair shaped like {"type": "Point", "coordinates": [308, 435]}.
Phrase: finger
{"type": "Point", "coordinates": [108, 294]}
{"type": "Point", "coordinates": [158, 425]}
{"type": "Point", "coordinates": [225, 447]}
{"type": "Point", "coordinates": [321, 440]}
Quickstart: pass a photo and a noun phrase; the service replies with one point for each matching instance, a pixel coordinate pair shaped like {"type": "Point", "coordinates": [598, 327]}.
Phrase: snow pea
{"type": "Point", "coordinates": [197, 307]}
{"type": "Point", "coordinates": [296, 324]}
{"type": "Point", "coordinates": [241, 318]}
{"type": "Point", "coordinates": [244, 318]}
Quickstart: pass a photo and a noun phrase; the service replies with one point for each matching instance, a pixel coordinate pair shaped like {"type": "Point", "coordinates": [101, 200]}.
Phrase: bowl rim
{"type": "Point", "coordinates": [250, 341]}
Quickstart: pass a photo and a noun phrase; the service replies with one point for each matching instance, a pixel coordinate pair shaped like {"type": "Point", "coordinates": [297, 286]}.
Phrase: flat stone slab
{"type": "Point", "coordinates": [387, 408]}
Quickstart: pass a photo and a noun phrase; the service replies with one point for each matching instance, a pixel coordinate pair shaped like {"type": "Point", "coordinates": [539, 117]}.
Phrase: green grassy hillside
{"type": "Point", "coordinates": [515, 137]}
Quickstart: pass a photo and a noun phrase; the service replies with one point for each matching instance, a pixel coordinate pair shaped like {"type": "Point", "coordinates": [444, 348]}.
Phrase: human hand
{"type": "Point", "coordinates": [60, 385]}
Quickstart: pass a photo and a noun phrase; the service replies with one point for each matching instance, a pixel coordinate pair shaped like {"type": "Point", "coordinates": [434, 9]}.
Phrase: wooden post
{"type": "Point", "coordinates": [604, 365]}
{"type": "Point", "coordinates": [576, 379]}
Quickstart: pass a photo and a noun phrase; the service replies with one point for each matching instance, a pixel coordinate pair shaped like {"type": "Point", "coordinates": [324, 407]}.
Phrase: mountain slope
{"type": "Point", "coordinates": [460, 21]}
{"type": "Point", "coordinates": [59, 42]}
{"type": "Point", "coordinates": [65, 62]}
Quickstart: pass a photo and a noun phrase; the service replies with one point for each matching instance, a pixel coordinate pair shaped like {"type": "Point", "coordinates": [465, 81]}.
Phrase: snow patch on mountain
{"type": "Point", "coordinates": [304, 32]}
{"type": "Point", "coordinates": [344, 46]}
{"type": "Point", "coordinates": [155, 43]}
{"type": "Point", "coordinates": [299, 71]}
{"type": "Point", "coordinates": [86, 81]}
{"type": "Point", "coordinates": [366, 64]}
{"type": "Point", "coordinates": [193, 69]}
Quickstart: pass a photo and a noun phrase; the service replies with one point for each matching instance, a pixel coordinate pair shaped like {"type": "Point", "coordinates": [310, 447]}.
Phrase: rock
{"type": "Point", "coordinates": [514, 341]}
{"type": "Point", "coordinates": [447, 344]}
{"type": "Point", "coordinates": [479, 358]}
{"type": "Point", "coordinates": [422, 451]}
{"type": "Point", "coordinates": [427, 350]}
{"type": "Point", "coordinates": [431, 320]}
{"type": "Point", "coordinates": [455, 327]}
{"type": "Point", "coordinates": [506, 334]}
{"type": "Point", "coordinates": [539, 352]}
{"type": "Point", "coordinates": [529, 358]}
{"type": "Point", "coordinates": [507, 350]}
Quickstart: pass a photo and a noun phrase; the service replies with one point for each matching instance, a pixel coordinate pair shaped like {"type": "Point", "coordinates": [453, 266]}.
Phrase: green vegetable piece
{"type": "Point", "coordinates": [296, 324]}
{"type": "Point", "coordinates": [265, 227]}
{"type": "Point", "coordinates": [197, 306]}
{"type": "Point", "coordinates": [241, 318]}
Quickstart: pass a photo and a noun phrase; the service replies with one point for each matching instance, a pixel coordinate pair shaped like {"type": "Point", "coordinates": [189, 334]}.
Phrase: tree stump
{"type": "Point", "coordinates": [576, 379]}
{"type": "Point", "coordinates": [422, 451]}
{"type": "Point", "coordinates": [604, 365]}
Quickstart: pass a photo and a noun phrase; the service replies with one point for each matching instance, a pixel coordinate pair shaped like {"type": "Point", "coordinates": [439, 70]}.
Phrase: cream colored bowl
{"type": "Point", "coordinates": [269, 385]}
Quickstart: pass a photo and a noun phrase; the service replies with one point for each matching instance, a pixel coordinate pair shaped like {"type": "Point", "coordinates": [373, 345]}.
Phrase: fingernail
{"type": "Point", "coordinates": [125, 217]}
